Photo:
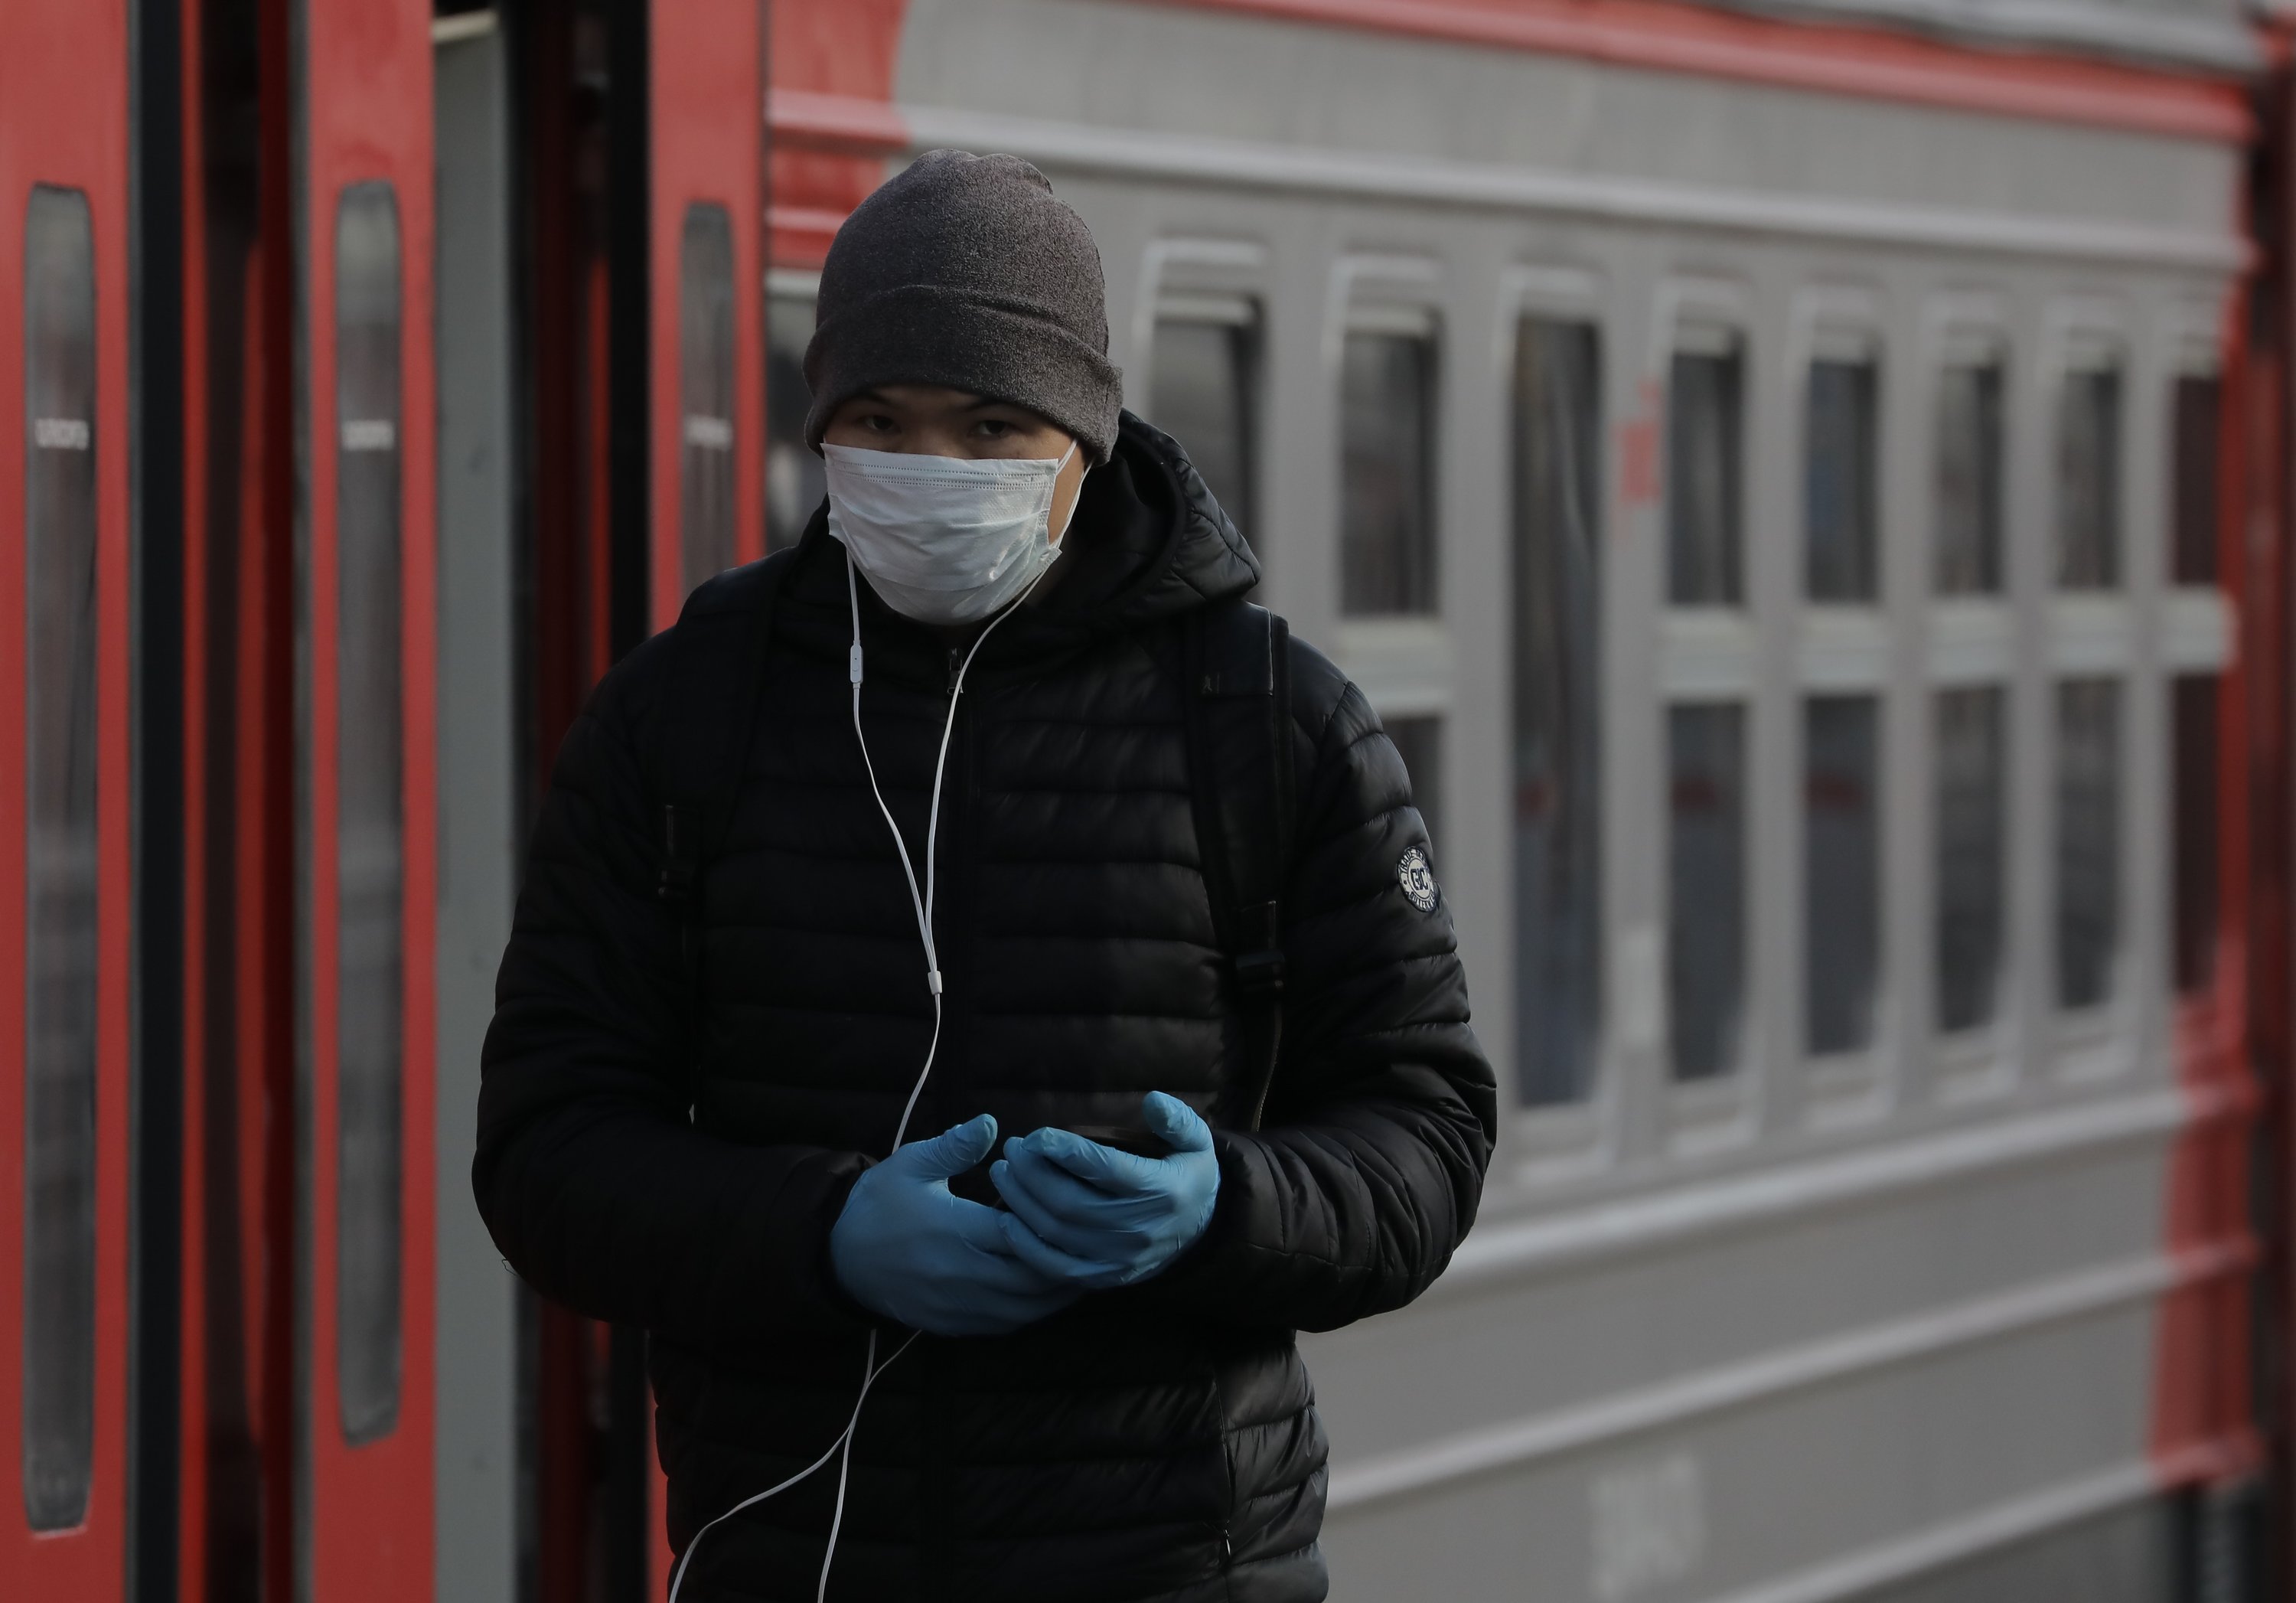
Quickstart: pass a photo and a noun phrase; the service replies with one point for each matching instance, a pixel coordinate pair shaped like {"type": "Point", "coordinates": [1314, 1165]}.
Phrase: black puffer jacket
{"type": "Point", "coordinates": [1157, 1442]}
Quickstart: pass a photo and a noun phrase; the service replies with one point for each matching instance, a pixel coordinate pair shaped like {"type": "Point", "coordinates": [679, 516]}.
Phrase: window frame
{"type": "Point", "coordinates": [708, 481]}
{"type": "Point", "coordinates": [784, 284]}
{"type": "Point", "coordinates": [1710, 653]}
{"type": "Point", "coordinates": [2098, 632]}
{"type": "Point", "coordinates": [361, 1418]}
{"type": "Point", "coordinates": [1559, 1121]}
{"type": "Point", "coordinates": [1975, 1043]}
{"type": "Point", "coordinates": [79, 445]}
{"type": "Point", "coordinates": [1415, 319]}
{"type": "Point", "coordinates": [1406, 665]}
{"type": "Point", "coordinates": [1968, 338]}
{"type": "Point", "coordinates": [2092, 350]}
{"type": "Point", "coordinates": [1558, 1143]}
{"type": "Point", "coordinates": [1843, 647]}
{"type": "Point", "coordinates": [1845, 341]}
{"type": "Point", "coordinates": [1241, 312]}
{"type": "Point", "coordinates": [2198, 638]}
{"type": "Point", "coordinates": [1971, 640]}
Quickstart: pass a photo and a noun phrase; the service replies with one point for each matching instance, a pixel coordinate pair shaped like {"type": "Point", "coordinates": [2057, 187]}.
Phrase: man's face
{"type": "Point", "coordinates": [931, 420]}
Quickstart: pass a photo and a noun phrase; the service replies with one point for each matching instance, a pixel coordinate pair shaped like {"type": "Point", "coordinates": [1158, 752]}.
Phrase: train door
{"type": "Point", "coordinates": [64, 832]}
{"type": "Point", "coordinates": [638, 135]}
{"type": "Point", "coordinates": [706, 131]}
{"type": "Point", "coordinates": [706, 210]}
{"type": "Point", "coordinates": [364, 758]}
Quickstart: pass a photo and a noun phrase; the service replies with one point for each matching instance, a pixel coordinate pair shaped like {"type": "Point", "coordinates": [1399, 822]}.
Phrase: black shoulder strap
{"type": "Point", "coordinates": [1238, 711]}
{"type": "Point", "coordinates": [709, 719]}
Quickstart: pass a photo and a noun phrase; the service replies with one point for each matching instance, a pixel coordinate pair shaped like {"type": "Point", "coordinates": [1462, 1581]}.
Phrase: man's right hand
{"type": "Point", "coordinates": [906, 1248]}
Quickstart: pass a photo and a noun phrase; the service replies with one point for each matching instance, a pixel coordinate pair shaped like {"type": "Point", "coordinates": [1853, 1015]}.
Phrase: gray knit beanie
{"type": "Point", "coordinates": [964, 270]}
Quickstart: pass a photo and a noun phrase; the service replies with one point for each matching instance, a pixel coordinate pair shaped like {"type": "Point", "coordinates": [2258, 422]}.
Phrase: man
{"type": "Point", "coordinates": [969, 870]}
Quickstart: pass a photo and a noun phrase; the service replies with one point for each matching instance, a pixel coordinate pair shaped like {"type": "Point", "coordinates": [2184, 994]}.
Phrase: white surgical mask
{"type": "Point", "coordinates": [944, 540]}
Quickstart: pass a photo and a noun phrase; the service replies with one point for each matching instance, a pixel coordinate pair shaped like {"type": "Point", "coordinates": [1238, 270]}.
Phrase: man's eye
{"type": "Point", "coordinates": [877, 423]}
{"type": "Point", "coordinates": [995, 428]}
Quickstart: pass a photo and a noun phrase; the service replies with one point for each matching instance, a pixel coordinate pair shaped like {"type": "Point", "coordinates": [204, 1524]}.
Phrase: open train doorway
{"type": "Point", "coordinates": [602, 334]}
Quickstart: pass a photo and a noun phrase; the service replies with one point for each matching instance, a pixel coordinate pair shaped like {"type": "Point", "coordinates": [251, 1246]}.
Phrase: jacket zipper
{"type": "Point", "coordinates": [930, 1391]}
{"type": "Point", "coordinates": [952, 911]}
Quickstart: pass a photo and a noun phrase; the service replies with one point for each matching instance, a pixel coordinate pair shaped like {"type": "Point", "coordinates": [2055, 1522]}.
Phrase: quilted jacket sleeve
{"type": "Point", "coordinates": [592, 1179]}
{"type": "Point", "coordinates": [1369, 1162]}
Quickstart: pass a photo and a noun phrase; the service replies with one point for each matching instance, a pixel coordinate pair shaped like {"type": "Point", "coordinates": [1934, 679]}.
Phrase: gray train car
{"type": "Point", "coordinates": [1803, 481]}
{"type": "Point", "coordinates": [1768, 469]}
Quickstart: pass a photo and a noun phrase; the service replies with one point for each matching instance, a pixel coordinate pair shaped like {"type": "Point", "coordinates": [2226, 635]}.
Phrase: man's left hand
{"type": "Point", "coordinates": [1096, 1216]}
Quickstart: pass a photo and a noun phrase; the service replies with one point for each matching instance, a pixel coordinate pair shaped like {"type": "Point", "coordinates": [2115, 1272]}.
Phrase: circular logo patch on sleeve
{"type": "Point", "coordinates": [1417, 880]}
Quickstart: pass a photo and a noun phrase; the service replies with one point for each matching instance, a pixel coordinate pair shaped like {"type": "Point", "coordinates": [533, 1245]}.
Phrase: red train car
{"type": "Point", "coordinates": [373, 376]}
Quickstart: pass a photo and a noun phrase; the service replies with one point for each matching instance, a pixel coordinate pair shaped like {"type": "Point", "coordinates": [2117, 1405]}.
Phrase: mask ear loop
{"type": "Point", "coordinates": [1055, 544]}
{"type": "Point", "coordinates": [922, 905]}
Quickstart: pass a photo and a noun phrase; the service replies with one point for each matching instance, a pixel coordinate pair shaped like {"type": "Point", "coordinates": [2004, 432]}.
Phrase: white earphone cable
{"type": "Point", "coordinates": [921, 903]}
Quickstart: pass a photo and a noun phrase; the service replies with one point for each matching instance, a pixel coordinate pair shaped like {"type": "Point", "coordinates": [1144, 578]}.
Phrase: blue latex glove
{"type": "Point", "coordinates": [1091, 1216]}
{"type": "Point", "coordinates": [906, 1248]}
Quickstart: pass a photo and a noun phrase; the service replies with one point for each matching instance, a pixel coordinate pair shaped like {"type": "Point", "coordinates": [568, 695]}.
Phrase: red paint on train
{"type": "Point", "coordinates": [707, 146]}
{"type": "Point", "coordinates": [707, 143]}
{"type": "Point", "coordinates": [2204, 1424]}
{"type": "Point", "coordinates": [63, 78]}
{"type": "Point", "coordinates": [832, 68]}
{"type": "Point", "coordinates": [367, 98]}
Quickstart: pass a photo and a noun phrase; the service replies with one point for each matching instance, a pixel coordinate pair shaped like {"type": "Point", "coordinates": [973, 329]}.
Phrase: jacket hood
{"type": "Point", "coordinates": [1147, 542]}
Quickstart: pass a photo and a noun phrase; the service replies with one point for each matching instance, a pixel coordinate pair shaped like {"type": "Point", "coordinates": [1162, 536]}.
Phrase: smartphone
{"type": "Point", "coordinates": [975, 1186]}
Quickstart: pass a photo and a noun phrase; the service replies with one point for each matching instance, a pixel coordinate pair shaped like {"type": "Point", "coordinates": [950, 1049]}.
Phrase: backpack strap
{"type": "Point", "coordinates": [709, 720]}
{"type": "Point", "coordinates": [1238, 711]}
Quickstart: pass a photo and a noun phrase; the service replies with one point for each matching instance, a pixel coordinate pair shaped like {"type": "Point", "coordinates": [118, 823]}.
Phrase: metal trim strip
{"type": "Point", "coordinates": [1136, 153]}
{"type": "Point", "coordinates": [1958, 1541]}
{"type": "Point", "coordinates": [1861, 1173]}
{"type": "Point", "coordinates": [1777, 1373]}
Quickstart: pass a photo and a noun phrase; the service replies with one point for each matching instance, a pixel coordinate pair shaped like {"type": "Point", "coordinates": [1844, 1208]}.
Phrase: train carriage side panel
{"type": "Point", "coordinates": [1826, 1326]}
{"type": "Point", "coordinates": [64, 806]}
{"type": "Point", "coordinates": [707, 133]}
{"type": "Point", "coordinates": [367, 754]}
{"type": "Point", "coordinates": [832, 115]}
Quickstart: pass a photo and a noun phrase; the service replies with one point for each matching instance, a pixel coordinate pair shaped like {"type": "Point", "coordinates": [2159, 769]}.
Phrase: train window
{"type": "Point", "coordinates": [61, 858]}
{"type": "Point", "coordinates": [369, 1025]}
{"type": "Point", "coordinates": [1841, 851]}
{"type": "Point", "coordinates": [2088, 477]}
{"type": "Point", "coordinates": [1705, 887]}
{"type": "Point", "coordinates": [1387, 450]}
{"type": "Point", "coordinates": [1557, 708]}
{"type": "Point", "coordinates": [796, 483]}
{"type": "Point", "coordinates": [1839, 552]}
{"type": "Point", "coordinates": [1203, 389]}
{"type": "Point", "coordinates": [2089, 839]}
{"type": "Point", "coordinates": [1971, 856]}
{"type": "Point", "coordinates": [1968, 476]}
{"type": "Point", "coordinates": [2198, 403]}
{"type": "Point", "coordinates": [705, 364]}
{"type": "Point", "coordinates": [2192, 714]}
{"type": "Point", "coordinates": [1703, 470]}
{"type": "Point", "coordinates": [1418, 740]}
